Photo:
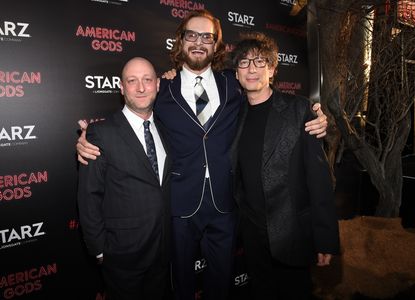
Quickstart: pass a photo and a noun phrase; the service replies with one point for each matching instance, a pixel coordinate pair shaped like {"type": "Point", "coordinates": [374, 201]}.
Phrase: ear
{"type": "Point", "coordinates": [158, 84]}
{"type": "Point", "coordinates": [236, 75]}
{"type": "Point", "coordinates": [272, 71]}
{"type": "Point", "coordinates": [122, 88]}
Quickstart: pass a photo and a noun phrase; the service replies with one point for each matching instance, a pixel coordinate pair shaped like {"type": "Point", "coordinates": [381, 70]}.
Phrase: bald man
{"type": "Point", "coordinates": [123, 195]}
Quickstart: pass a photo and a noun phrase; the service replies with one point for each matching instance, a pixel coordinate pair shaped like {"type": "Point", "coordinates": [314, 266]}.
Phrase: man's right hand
{"type": "Point", "coordinates": [83, 148]}
{"type": "Point", "coordinates": [169, 74]}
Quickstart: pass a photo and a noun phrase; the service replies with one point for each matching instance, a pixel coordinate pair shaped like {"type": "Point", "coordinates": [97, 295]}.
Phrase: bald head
{"type": "Point", "coordinates": [138, 62]}
{"type": "Point", "coordinates": [139, 86]}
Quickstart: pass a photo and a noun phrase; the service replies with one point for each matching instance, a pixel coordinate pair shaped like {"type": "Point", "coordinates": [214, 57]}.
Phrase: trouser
{"type": "Point", "coordinates": [126, 279]}
{"type": "Point", "coordinates": [269, 278]}
{"type": "Point", "coordinates": [214, 234]}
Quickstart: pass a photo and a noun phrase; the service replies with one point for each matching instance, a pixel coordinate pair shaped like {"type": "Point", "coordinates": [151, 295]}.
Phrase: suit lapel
{"type": "Point", "coordinates": [167, 162]}
{"type": "Point", "coordinates": [176, 92]}
{"type": "Point", "coordinates": [128, 135]}
{"type": "Point", "coordinates": [222, 85]}
{"type": "Point", "coordinates": [241, 121]}
{"type": "Point", "coordinates": [276, 125]}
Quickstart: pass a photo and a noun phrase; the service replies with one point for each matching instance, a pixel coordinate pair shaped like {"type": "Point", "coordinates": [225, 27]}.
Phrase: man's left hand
{"type": "Point", "coordinates": [323, 259]}
{"type": "Point", "coordinates": [318, 126]}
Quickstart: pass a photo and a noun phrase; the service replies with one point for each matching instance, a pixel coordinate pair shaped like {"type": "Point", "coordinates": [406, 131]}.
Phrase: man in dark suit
{"type": "Point", "coordinates": [123, 196]}
{"type": "Point", "coordinates": [203, 215]}
{"type": "Point", "coordinates": [200, 136]}
{"type": "Point", "coordinates": [282, 182]}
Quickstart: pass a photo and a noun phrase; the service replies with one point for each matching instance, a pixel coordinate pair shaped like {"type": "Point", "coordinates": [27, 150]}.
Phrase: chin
{"type": "Point", "coordinates": [251, 87]}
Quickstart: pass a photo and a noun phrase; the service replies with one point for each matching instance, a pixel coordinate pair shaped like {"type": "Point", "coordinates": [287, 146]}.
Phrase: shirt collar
{"type": "Point", "coordinates": [189, 76]}
{"type": "Point", "coordinates": [135, 119]}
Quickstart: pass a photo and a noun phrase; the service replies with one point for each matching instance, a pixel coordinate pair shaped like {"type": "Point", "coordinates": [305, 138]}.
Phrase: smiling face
{"type": "Point", "coordinates": [255, 80]}
{"type": "Point", "coordinates": [139, 86]}
{"type": "Point", "coordinates": [198, 56]}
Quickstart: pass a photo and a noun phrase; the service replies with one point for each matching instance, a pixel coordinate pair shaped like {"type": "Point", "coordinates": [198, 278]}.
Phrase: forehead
{"type": "Point", "coordinates": [138, 68]}
{"type": "Point", "coordinates": [200, 24]}
{"type": "Point", "coordinates": [251, 53]}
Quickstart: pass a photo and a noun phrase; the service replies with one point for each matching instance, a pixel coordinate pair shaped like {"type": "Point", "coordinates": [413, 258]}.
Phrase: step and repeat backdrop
{"type": "Point", "coordinates": [60, 61]}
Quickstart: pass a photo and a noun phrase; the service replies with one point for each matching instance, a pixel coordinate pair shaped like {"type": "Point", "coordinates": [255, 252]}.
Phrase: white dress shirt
{"type": "Point", "coordinates": [188, 80]}
{"type": "Point", "coordinates": [137, 124]}
{"type": "Point", "coordinates": [209, 83]}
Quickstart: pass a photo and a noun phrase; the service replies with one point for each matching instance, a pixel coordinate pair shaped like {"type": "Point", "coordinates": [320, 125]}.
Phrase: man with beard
{"type": "Point", "coordinates": [198, 112]}
{"type": "Point", "coordinates": [198, 109]}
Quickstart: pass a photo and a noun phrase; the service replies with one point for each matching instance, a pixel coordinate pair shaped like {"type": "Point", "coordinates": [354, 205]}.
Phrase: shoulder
{"type": "Point", "coordinates": [164, 82]}
{"type": "Point", "coordinates": [105, 124]}
{"type": "Point", "coordinates": [228, 73]}
{"type": "Point", "coordinates": [227, 78]}
{"type": "Point", "coordinates": [296, 101]}
{"type": "Point", "coordinates": [299, 105]}
{"type": "Point", "coordinates": [167, 84]}
{"type": "Point", "coordinates": [103, 133]}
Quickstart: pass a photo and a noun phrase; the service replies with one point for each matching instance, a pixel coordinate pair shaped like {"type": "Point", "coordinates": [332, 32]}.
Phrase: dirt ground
{"type": "Point", "coordinates": [377, 261]}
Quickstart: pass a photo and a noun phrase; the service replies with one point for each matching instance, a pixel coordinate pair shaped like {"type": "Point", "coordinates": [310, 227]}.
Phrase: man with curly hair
{"type": "Point", "coordinates": [282, 181]}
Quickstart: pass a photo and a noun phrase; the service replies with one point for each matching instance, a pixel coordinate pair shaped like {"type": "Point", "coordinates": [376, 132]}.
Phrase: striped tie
{"type": "Point", "coordinates": [201, 97]}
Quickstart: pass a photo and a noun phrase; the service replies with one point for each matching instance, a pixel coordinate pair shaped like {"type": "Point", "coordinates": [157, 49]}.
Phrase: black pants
{"type": "Point", "coordinates": [125, 279]}
{"type": "Point", "coordinates": [270, 279]}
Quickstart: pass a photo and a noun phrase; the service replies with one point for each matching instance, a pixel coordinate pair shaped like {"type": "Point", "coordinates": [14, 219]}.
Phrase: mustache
{"type": "Point", "coordinates": [200, 48]}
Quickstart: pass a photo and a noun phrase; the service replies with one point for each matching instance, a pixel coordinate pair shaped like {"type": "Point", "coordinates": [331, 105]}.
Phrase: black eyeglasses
{"type": "Point", "coordinates": [259, 62]}
{"type": "Point", "coordinates": [192, 36]}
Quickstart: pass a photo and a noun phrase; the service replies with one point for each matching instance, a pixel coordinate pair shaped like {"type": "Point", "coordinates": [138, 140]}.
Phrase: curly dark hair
{"type": "Point", "coordinates": [257, 43]}
{"type": "Point", "coordinates": [219, 55]}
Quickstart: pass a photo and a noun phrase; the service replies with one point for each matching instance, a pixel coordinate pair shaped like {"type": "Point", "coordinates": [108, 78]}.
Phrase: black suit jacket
{"type": "Point", "coordinates": [122, 207]}
{"type": "Point", "coordinates": [296, 181]}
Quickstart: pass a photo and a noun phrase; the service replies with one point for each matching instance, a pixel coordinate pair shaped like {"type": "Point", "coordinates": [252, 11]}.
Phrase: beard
{"type": "Point", "coordinates": [197, 64]}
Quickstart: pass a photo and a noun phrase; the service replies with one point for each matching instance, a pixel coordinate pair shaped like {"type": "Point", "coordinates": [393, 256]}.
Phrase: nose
{"type": "Point", "coordinates": [199, 40]}
{"type": "Point", "coordinates": [251, 67]}
{"type": "Point", "coordinates": [140, 86]}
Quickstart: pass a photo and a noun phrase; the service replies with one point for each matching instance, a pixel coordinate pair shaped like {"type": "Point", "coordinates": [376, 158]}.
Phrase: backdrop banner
{"type": "Point", "coordinates": [60, 61]}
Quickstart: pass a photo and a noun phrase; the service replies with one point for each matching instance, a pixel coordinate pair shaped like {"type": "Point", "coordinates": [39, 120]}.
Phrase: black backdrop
{"type": "Point", "coordinates": [60, 62]}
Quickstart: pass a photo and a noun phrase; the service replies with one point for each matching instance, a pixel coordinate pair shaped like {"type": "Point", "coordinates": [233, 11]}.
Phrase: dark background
{"type": "Point", "coordinates": [52, 263]}
{"type": "Point", "coordinates": [42, 255]}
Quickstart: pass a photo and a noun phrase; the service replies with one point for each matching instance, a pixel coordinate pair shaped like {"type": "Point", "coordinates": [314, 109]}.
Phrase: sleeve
{"type": "Point", "coordinates": [321, 194]}
{"type": "Point", "coordinates": [91, 187]}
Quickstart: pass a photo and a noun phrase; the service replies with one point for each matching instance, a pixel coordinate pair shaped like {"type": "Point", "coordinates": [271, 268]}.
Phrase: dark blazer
{"type": "Point", "coordinates": [299, 197]}
{"type": "Point", "coordinates": [193, 147]}
{"type": "Point", "coordinates": [122, 207]}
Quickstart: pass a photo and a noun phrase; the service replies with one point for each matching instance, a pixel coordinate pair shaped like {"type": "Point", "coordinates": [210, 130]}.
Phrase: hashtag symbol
{"type": "Point", "coordinates": [73, 224]}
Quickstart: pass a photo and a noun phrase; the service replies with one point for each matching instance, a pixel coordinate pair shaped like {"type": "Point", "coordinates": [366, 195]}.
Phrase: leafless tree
{"type": "Point", "coordinates": [369, 89]}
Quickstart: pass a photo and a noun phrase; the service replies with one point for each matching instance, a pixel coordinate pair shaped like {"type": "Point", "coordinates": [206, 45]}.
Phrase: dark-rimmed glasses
{"type": "Point", "coordinates": [192, 36]}
{"type": "Point", "coordinates": [259, 62]}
